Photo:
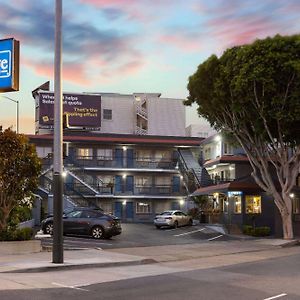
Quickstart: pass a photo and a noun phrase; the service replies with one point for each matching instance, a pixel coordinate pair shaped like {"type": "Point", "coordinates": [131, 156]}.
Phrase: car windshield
{"type": "Point", "coordinates": [166, 213]}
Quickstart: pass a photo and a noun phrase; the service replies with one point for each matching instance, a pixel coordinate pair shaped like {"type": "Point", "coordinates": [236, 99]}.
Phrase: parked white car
{"type": "Point", "coordinates": [172, 218]}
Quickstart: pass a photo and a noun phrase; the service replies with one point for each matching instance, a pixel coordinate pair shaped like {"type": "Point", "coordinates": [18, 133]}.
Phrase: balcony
{"type": "Point", "coordinates": [136, 190]}
{"type": "Point", "coordinates": [134, 163]}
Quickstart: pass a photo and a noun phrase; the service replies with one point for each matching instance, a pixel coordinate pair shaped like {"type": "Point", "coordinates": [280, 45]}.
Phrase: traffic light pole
{"type": "Point", "coordinates": [58, 250]}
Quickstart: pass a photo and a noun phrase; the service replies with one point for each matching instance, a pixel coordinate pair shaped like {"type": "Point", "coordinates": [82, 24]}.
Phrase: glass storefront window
{"type": "Point", "coordinates": [253, 204]}
{"type": "Point", "coordinates": [237, 204]}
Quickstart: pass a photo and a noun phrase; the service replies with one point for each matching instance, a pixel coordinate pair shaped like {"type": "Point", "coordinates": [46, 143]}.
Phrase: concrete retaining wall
{"type": "Point", "coordinates": [20, 247]}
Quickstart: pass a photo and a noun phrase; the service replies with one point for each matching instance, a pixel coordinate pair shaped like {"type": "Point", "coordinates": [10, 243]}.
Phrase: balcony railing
{"type": "Point", "coordinates": [216, 181]}
{"type": "Point", "coordinates": [156, 190]}
{"type": "Point", "coordinates": [138, 162]}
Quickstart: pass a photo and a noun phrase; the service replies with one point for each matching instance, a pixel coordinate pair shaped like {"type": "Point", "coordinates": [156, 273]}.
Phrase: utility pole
{"type": "Point", "coordinates": [17, 102]}
{"type": "Point", "coordinates": [58, 250]}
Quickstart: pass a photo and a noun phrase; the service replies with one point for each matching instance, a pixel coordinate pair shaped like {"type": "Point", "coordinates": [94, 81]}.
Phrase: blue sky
{"type": "Point", "coordinates": [131, 46]}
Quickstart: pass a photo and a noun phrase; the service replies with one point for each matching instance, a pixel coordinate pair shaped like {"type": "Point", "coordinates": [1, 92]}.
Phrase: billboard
{"type": "Point", "coordinates": [9, 65]}
{"type": "Point", "coordinates": [83, 110]}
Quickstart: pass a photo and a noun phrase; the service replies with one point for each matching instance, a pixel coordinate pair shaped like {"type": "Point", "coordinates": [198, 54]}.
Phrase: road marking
{"type": "Point", "coordinates": [70, 287]}
{"type": "Point", "coordinates": [190, 232]}
{"type": "Point", "coordinates": [216, 237]}
{"type": "Point", "coordinates": [275, 297]}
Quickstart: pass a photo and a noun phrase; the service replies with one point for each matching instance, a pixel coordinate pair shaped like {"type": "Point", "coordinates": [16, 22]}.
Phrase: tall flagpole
{"type": "Point", "coordinates": [58, 250]}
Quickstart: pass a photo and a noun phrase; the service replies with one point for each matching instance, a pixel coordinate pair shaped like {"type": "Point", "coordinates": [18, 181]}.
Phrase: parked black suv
{"type": "Point", "coordinates": [86, 221]}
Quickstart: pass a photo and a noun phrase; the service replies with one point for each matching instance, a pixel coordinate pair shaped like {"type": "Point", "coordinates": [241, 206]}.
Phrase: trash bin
{"type": "Point", "coordinates": [202, 217]}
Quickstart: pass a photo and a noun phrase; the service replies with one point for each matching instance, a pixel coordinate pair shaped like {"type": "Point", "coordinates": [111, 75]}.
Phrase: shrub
{"type": "Point", "coordinates": [11, 234]}
{"type": "Point", "coordinates": [194, 212]}
{"type": "Point", "coordinates": [257, 231]}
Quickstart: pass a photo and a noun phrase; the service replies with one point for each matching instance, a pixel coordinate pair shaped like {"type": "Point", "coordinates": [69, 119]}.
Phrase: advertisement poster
{"type": "Point", "coordinates": [83, 111]}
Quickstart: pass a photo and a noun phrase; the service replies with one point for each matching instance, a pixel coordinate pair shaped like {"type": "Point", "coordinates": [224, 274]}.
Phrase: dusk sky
{"type": "Point", "coordinates": [128, 46]}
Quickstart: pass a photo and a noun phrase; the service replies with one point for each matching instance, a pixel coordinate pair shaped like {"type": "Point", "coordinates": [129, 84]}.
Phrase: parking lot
{"type": "Point", "coordinates": [143, 235]}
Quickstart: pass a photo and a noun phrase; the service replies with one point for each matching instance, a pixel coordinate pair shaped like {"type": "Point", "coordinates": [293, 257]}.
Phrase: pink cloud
{"type": "Point", "coordinates": [187, 43]}
{"type": "Point", "coordinates": [108, 2]}
{"type": "Point", "coordinates": [230, 32]}
{"type": "Point", "coordinates": [131, 67]}
{"type": "Point", "coordinates": [72, 72]}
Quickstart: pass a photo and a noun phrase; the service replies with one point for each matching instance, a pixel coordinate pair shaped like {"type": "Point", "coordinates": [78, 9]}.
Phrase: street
{"type": "Point", "coordinates": [271, 278]}
{"type": "Point", "coordinates": [143, 235]}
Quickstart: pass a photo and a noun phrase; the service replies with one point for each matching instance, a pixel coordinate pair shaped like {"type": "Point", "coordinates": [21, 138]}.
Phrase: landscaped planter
{"type": "Point", "coordinates": [20, 247]}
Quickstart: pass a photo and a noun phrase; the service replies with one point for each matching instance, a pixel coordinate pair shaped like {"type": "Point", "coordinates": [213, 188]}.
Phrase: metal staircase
{"type": "Point", "coordinates": [194, 175]}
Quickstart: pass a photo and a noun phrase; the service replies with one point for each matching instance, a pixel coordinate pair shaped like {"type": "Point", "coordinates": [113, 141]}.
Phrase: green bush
{"type": "Point", "coordinates": [257, 231]}
{"type": "Point", "coordinates": [21, 234]}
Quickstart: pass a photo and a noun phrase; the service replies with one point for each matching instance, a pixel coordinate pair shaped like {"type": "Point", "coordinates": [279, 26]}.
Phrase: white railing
{"type": "Point", "coordinates": [140, 131]}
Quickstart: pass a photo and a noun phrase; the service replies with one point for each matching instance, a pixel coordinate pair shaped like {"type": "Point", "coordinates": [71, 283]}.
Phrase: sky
{"type": "Point", "coordinates": [128, 46]}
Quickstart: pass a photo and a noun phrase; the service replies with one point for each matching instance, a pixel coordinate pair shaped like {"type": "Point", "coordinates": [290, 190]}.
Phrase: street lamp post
{"type": "Point", "coordinates": [17, 102]}
{"type": "Point", "coordinates": [57, 250]}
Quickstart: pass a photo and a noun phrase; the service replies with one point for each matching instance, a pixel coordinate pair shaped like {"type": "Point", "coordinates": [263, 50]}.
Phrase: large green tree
{"type": "Point", "coordinates": [253, 92]}
{"type": "Point", "coordinates": [19, 171]}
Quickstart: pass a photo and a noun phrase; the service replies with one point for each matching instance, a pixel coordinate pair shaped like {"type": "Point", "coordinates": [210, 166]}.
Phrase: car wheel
{"type": "Point", "coordinates": [97, 232]}
{"type": "Point", "coordinates": [157, 226]}
{"type": "Point", "coordinates": [48, 228]}
{"type": "Point", "coordinates": [175, 224]}
{"type": "Point", "coordinates": [190, 222]}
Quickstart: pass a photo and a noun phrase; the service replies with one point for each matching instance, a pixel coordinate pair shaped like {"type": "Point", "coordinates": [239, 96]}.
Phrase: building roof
{"type": "Point", "coordinates": [84, 137]}
{"type": "Point", "coordinates": [226, 159]}
{"type": "Point", "coordinates": [225, 187]}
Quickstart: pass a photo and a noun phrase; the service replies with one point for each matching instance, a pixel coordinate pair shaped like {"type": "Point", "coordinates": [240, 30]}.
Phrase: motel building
{"type": "Point", "coordinates": [233, 195]}
{"type": "Point", "coordinates": [128, 154]}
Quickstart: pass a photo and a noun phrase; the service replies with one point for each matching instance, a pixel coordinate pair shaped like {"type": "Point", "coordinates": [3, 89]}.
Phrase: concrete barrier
{"type": "Point", "coordinates": [27, 224]}
{"type": "Point", "coordinates": [20, 247]}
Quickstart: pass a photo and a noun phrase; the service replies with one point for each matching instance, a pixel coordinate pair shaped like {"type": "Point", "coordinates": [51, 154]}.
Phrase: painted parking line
{"type": "Point", "coordinates": [190, 232]}
{"type": "Point", "coordinates": [276, 297]}
{"type": "Point", "coordinates": [216, 237]}
{"type": "Point", "coordinates": [70, 287]}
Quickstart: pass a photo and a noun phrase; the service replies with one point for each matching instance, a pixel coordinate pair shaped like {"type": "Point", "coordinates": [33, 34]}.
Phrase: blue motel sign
{"type": "Point", "coordinates": [9, 65]}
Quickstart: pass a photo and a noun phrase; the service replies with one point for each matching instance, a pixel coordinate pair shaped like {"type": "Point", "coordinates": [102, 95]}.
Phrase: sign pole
{"type": "Point", "coordinates": [57, 250]}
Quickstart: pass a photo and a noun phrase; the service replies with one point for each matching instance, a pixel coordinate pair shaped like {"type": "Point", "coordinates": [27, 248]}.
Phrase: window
{"type": "Point", "coordinates": [107, 207]}
{"type": "Point", "coordinates": [143, 208]}
{"type": "Point", "coordinates": [91, 214]}
{"type": "Point", "coordinates": [143, 155]}
{"type": "Point", "coordinates": [107, 114]}
{"type": "Point", "coordinates": [253, 204]}
{"type": "Point", "coordinates": [225, 205]}
{"type": "Point", "coordinates": [104, 154]}
{"type": "Point", "coordinates": [296, 205]}
{"type": "Point", "coordinates": [43, 152]}
{"type": "Point", "coordinates": [237, 204]}
{"type": "Point", "coordinates": [163, 155]}
{"type": "Point", "coordinates": [163, 180]}
{"type": "Point", "coordinates": [104, 180]}
{"type": "Point", "coordinates": [227, 148]}
{"type": "Point", "coordinates": [85, 153]}
{"type": "Point", "coordinates": [143, 181]}
{"type": "Point", "coordinates": [74, 214]}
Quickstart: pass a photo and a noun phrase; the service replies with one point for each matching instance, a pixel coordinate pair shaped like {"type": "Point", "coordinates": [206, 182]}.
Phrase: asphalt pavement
{"type": "Point", "coordinates": [136, 246]}
{"type": "Point", "coordinates": [145, 235]}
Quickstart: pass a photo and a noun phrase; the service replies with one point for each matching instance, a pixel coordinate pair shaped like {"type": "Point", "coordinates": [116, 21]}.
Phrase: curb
{"type": "Point", "coordinates": [67, 267]}
{"type": "Point", "coordinates": [291, 243]}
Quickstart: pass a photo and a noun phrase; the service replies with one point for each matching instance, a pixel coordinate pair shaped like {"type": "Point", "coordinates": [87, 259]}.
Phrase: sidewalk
{"type": "Point", "coordinates": [92, 258]}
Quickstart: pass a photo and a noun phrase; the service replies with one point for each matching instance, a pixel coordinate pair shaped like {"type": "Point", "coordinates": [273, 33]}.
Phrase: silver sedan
{"type": "Point", "coordinates": [172, 218]}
